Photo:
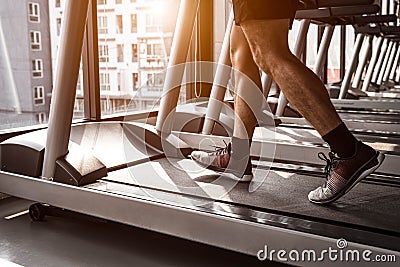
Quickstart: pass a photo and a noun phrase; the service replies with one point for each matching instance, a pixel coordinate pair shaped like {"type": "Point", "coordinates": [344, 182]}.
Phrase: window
{"type": "Point", "coordinates": [150, 80]}
{"type": "Point", "coordinates": [36, 43]}
{"type": "Point", "coordinates": [133, 23]}
{"type": "Point", "coordinates": [34, 12]}
{"type": "Point", "coordinates": [153, 23]}
{"type": "Point", "coordinates": [33, 27]}
{"type": "Point", "coordinates": [134, 53]}
{"type": "Point", "coordinates": [38, 95]}
{"type": "Point", "coordinates": [103, 53]}
{"type": "Point", "coordinates": [120, 52]}
{"type": "Point", "coordinates": [105, 82]}
{"type": "Point", "coordinates": [135, 80]}
{"type": "Point", "coordinates": [79, 105]}
{"type": "Point", "coordinates": [58, 26]}
{"type": "Point", "coordinates": [158, 79]}
{"type": "Point", "coordinates": [155, 50]}
{"type": "Point", "coordinates": [119, 24]}
{"type": "Point", "coordinates": [155, 80]}
{"type": "Point", "coordinates": [79, 84]}
{"type": "Point", "coordinates": [105, 106]}
{"type": "Point", "coordinates": [102, 24]}
{"type": "Point", "coordinates": [119, 81]}
{"type": "Point", "coordinates": [37, 68]}
{"type": "Point", "coordinates": [41, 118]}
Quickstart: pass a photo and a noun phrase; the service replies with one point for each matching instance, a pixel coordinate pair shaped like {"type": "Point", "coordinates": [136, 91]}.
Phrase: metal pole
{"type": "Point", "coordinates": [385, 64]}
{"type": "Point", "coordinates": [179, 51]}
{"type": "Point", "coordinates": [301, 39]}
{"type": "Point", "coordinates": [362, 61]}
{"type": "Point", "coordinates": [390, 62]}
{"type": "Point", "coordinates": [382, 53]}
{"type": "Point", "coordinates": [349, 73]}
{"type": "Point", "coordinates": [342, 51]}
{"type": "Point", "coordinates": [372, 64]}
{"type": "Point", "coordinates": [221, 79]}
{"type": "Point", "coordinates": [395, 65]}
{"type": "Point", "coordinates": [397, 78]}
{"type": "Point", "coordinates": [323, 49]}
{"type": "Point", "coordinates": [266, 82]}
{"type": "Point", "coordinates": [63, 98]}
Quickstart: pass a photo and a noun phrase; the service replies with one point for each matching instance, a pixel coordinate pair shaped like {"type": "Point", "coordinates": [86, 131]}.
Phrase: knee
{"type": "Point", "coordinates": [270, 61]}
{"type": "Point", "coordinates": [241, 56]}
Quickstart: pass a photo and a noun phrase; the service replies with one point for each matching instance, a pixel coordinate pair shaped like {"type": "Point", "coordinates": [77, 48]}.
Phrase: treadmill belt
{"type": "Point", "coordinates": [367, 205]}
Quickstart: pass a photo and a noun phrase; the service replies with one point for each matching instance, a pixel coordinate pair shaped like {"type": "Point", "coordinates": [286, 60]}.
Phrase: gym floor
{"type": "Point", "coordinates": [92, 242]}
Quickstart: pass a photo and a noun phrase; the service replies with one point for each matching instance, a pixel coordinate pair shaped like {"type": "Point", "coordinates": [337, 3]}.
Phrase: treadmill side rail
{"type": "Point", "coordinates": [213, 229]}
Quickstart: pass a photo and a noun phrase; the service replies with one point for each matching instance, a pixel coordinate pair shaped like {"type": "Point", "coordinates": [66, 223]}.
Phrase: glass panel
{"type": "Point", "coordinates": [56, 12]}
{"type": "Point", "coordinates": [138, 35]}
{"type": "Point", "coordinates": [29, 38]}
{"type": "Point", "coordinates": [334, 52]}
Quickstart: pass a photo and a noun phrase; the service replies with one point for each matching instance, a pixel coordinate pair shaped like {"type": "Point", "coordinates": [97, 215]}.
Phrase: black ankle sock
{"type": "Point", "coordinates": [240, 155]}
{"type": "Point", "coordinates": [341, 141]}
{"type": "Point", "coordinates": [240, 148]}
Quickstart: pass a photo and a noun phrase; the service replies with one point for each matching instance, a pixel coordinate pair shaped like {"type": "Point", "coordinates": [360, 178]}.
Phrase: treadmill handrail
{"type": "Point", "coordinates": [312, 4]}
{"type": "Point", "coordinates": [337, 12]}
{"type": "Point", "coordinates": [362, 20]}
{"type": "Point", "coordinates": [339, 3]}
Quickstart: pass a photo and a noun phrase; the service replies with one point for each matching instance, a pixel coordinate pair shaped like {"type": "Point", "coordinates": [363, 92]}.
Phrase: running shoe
{"type": "Point", "coordinates": [343, 174]}
{"type": "Point", "coordinates": [221, 161]}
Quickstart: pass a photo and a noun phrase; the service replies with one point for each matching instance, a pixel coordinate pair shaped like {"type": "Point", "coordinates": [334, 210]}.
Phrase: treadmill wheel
{"type": "Point", "coordinates": [37, 212]}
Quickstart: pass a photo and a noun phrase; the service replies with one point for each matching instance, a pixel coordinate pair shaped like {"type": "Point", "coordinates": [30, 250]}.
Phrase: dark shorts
{"type": "Point", "coordinates": [264, 9]}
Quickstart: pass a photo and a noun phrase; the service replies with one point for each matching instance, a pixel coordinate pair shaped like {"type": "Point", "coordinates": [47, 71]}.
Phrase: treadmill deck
{"type": "Point", "coordinates": [366, 206]}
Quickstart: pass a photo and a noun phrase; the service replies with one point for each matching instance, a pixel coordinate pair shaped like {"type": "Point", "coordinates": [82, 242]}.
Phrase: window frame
{"type": "Point", "coordinates": [36, 41]}
{"type": "Point", "coordinates": [41, 118]}
{"type": "Point", "coordinates": [120, 53]}
{"type": "Point", "coordinates": [104, 56]}
{"type": "Point", "coordinates": [104, 78]}
{"type": "Point", "coordinates": [37, 67]}
{"type": "Point", "coordinates": [119, 23]}
{"type": "Point", "coordinates": [103, 26]}
{"type": "Point", "coordinates": [134, 27]}
{"type": "Point", "coordinates": [31, 7]}
{"type": "Point", "coordinates": [39, 94]}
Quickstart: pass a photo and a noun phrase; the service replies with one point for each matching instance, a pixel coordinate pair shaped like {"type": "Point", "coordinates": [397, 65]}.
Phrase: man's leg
{"type": "Point", "coordinates": [268, 40]}
{"type": "Point", "coordinates": [245, 69]}
{"type": "Point", "coordinates": [269, 44]}
{"type": "Point", "coordinates": [355, 160]}
{"type": "Point", "coordinates": [236, 156]}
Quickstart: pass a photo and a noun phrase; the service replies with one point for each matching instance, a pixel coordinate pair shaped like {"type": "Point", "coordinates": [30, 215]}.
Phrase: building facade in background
{"type": "Point", "coordinates": [134, 37]}
{"type": "Point", "coordinates": [25, 63]}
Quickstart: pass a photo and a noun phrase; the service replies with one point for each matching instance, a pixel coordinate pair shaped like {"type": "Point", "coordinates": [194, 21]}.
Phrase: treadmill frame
{"type": "Point", "coordinates": [213, 229]}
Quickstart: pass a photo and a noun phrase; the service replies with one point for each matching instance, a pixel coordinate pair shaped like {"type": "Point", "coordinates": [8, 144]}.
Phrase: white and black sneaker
{"type": "Point", "coordinates": [221, 161]}
{"type": "Point", "coordinates": [344, 173]}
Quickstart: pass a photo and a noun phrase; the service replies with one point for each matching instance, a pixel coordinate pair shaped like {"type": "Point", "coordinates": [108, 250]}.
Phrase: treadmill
{"type": "Point", "coordinates": [86, 168]}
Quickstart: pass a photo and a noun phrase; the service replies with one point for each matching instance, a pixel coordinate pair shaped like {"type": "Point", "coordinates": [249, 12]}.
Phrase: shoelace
{"type": "Point", "coordinates": [221, 150]}
{"type": "Point", "coordinates": [331, 162]}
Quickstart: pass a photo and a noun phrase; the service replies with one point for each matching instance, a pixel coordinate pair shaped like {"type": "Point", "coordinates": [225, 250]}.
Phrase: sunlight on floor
{"type": "Point", "coordinates": [5, 263]}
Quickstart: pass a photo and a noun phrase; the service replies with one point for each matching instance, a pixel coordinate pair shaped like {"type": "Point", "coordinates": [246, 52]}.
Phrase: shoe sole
{"type": "Point", "coordinates": [245, 178]}
{"type": "Point", "coordinates": [380, 157]}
